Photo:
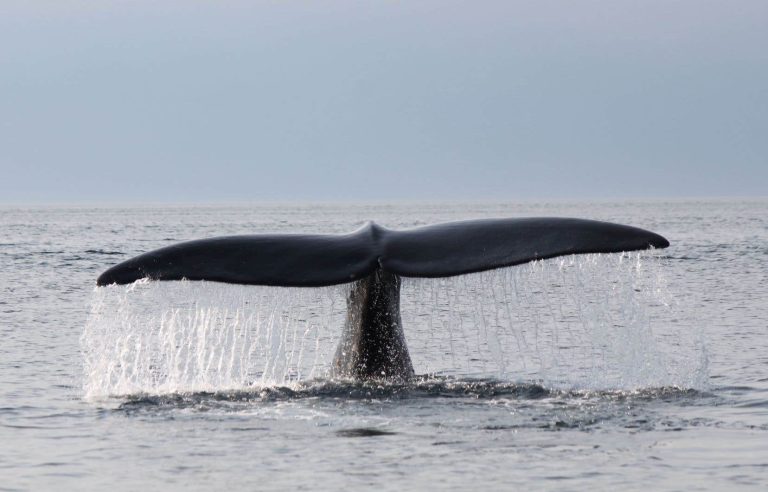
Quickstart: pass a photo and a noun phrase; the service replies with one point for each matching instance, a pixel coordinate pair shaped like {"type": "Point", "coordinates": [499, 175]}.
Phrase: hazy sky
{"type": "Point", "coordinates": [230, 101]}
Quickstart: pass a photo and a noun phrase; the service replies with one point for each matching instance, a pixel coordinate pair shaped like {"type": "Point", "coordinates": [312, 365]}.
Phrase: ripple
{"type": "Point", "coordinates": [435, 389]}
{"type": "Point", "coordinates": [364, 432]}
{"type": "Point", "coordinates": [103, 252]}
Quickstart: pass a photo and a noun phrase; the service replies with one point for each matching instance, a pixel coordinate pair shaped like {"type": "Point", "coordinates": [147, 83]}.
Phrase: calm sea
{"type": "Point", "coordinates": [640, 371]}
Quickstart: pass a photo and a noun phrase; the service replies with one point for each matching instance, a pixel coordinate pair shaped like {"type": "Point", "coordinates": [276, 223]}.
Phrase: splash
{"type": "Point", "coordinates": [588, 321]}
{"type": "Point", "coordinates": [154, 337]}
{"type": "Point", "coordinates": [579, 322]}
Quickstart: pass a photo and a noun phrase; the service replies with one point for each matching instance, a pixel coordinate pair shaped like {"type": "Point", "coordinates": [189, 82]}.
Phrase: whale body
{"type": "Point", "coordinates": [374, 259]}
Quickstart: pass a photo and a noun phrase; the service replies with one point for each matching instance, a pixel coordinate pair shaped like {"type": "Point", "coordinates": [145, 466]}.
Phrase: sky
{"type": "Point", "coordinates": [254, 101]}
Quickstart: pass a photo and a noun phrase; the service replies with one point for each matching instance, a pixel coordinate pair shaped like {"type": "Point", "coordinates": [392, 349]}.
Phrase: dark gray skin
{"type": "Point", "coordinates": [373, 344]}
{"type": "Point", "coordinates": [374, 258]}
{"type": "Point", "coordinates": [441, 250]}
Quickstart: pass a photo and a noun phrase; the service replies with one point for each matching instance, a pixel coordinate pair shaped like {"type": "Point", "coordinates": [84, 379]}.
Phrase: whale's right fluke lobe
{"type": "Point", "coordinates": [288, 260]}
{"type": "Point", "coordinates": [458, 248]}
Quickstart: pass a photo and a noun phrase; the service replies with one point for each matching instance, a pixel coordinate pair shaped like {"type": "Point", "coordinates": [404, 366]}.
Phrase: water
{"type": "Point", "coordinates": [604, 371]}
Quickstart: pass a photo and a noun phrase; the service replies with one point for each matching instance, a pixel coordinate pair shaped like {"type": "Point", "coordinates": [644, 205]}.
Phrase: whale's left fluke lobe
{"type": "Point", "coordinates": [441, 250]}
{"type": "Point", "coordinates": [457, 248]}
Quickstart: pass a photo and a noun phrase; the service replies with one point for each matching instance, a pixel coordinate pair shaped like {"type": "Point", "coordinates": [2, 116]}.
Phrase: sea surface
{"type": "Point", "coordinates": [604, 372]}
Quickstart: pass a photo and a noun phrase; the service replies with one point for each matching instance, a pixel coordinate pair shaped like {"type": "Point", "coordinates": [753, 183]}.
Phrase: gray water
{"type": "Point", "coordinates": [603, 371]}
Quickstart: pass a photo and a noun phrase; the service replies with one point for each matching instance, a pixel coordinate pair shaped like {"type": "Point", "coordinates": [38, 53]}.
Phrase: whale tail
{"type": "Point", "coordinates": [443, 250]}
{"type": "Point", "coordinates": [373, 342]}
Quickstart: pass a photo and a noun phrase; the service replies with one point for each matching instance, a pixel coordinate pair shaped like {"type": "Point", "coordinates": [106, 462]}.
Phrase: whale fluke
{"type": "Point", "coordinates": [443, 250]}
{"type": "Point", "coordinates": [457, 248]}
{"type": "Point", "coordinates": [373, 343]}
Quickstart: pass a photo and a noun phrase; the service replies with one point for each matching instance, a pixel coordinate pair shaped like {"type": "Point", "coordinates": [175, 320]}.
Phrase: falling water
{"type": "Point", "coordinates": [202, 336]}
{"type": "Point", "coordinates": [589, 321]}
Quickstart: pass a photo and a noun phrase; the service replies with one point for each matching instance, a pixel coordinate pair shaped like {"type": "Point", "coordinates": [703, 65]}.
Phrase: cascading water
{"type": "Point", "coordinates": [588, 321]}
{"type": "Point", "coordinates": [153, 337]}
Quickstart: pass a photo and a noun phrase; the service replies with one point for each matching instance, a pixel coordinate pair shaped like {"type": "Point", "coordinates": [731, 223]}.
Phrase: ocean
{"type": "Point", "coordinates": [617, 371]}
